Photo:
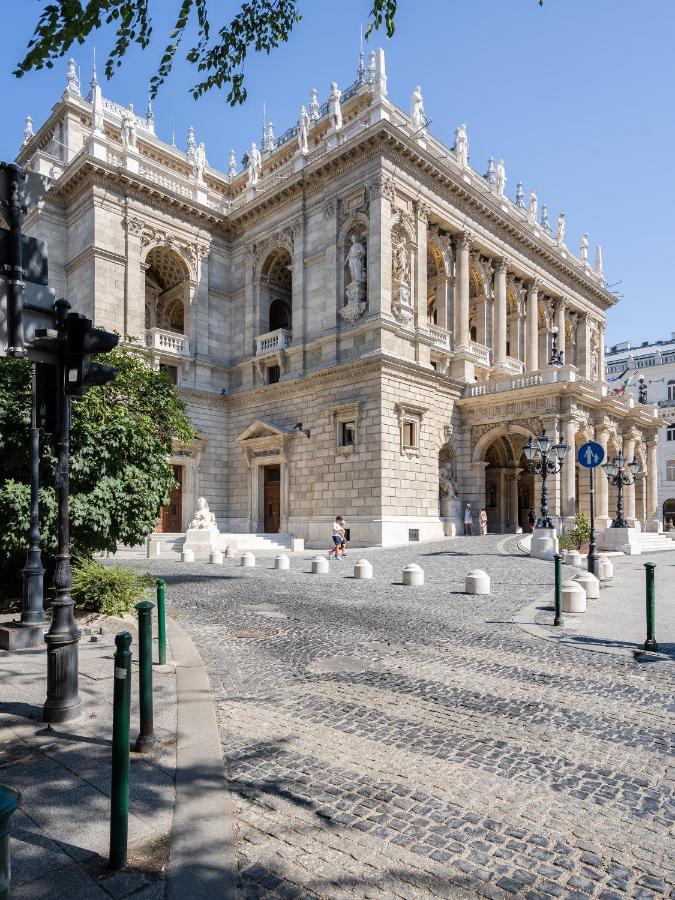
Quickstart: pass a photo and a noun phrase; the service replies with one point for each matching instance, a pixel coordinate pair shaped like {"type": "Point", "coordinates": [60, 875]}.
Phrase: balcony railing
{"type": "Point", "coordinates": [168, 341]}
{"type": "Point", "coordinates": [480, 353]}
{"type": "Point", "coordinates": [669, 402]}
{"type": "Point", "coordinates": [514, 365]}
{"type": "Point", "coordinates": [272, 341]}
{"type": "Point", "coordinates": [440, 337]}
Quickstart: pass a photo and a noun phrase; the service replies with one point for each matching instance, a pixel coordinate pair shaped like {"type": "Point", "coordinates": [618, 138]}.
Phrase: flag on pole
{"type": "Point", "coordinates": [620, 375]}
{"type": "Point", "coordinates": [620, 390]}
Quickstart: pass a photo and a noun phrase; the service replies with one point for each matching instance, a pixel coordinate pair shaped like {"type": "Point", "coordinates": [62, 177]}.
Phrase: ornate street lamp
{"type": "Point", "coordinates": [544, 459]}
{"type": "Point", "coordinates": [621, 474]}
{"type": "Point", "coordinates": [642, 390]}
{"type": "Point", "coordinates": [556, 355]}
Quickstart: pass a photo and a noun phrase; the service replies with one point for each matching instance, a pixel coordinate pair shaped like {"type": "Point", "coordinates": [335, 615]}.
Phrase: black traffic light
{"type": "Point", "coordinates": [82, 339]}
{"type": "Point", "coordinates": [46, 381]}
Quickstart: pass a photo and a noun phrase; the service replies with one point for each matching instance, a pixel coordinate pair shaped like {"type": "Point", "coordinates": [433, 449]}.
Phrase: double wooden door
{"type": "Point", "coordinates": [171, 515]}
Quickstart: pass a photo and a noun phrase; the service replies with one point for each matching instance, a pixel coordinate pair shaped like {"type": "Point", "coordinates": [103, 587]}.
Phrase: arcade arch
{"type": "Point", "coordinates": [167, 290]}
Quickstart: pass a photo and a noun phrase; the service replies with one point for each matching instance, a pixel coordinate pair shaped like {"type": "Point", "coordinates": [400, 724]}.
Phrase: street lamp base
{"type": "Point", "coordinates": [21, 636]}
{"type": "Point", "coordinates": [620, 523]}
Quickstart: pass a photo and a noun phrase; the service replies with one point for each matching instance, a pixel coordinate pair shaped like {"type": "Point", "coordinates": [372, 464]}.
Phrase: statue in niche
{"type": "Point", "coordinates": [200, 162]}
{"type": "Point", "coordinates": [203, 517]}
{"type": "Point", "coordinates": [303, 130]}
{"type": "Point", "coordinates": [417, 110]}
{"type": "Point", "coordinates": [532, 209]}
{"type": "Point", "coordinates": [560, 231]}
{"type": "Point", "coordinates": [461, 147]}
{"type": "Point", "coordinates": [501, 178]}
{"type": "Point", "coordinates": [595, 355]}
{"type": "Point", "coordinates": [128, 128]}
{"type": "Point", "coordinates": [334, 107]}
{"type": "Point", "coordinates": [356, 289]}
{"type": "Point", "coordinates": [447, 486]}
{"type": "Point", "coordinates": [355, 261]}
{"type": "Point", "coordinates": [254, 164]}
{"type": "Point", "coordinates": [400, 261]}
{"type": "Point", "coordinates": [401, 305]}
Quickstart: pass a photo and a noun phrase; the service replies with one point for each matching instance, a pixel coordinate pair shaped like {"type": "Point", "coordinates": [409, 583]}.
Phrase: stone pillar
{"type": "Point", "coordinates": [603, 373]}
{"type": "Point", "coordinates": [299, 324]}
{"type": "Point", "coordinates": [513, 526]}
{"type": "Point", "coordinates": [421, 267]}
{"type": "Point", "coordinates": [134, 287]}
{"type": "Point", "coordinates": [201, 308]}
{"type": "Point", "coordinates": [443, 302]}
{"type": "Point", "coordinates": [380, 193]}
{"type": "Point", "coordinates": [653, 523]}
{"type": "Point", "coordinates": [560, 324]}
{"type": "Point", "coordinates": [499, 342]}
{"type": "Point", "coordinates": [629, 440]}
{"type": "Point", "coordinates": [568, 506]}
{"type": "Point", "coordinates": [462, 339]}
{"type": "Point", "coordinates": [250, 306]}
{"type": "Point", "coordinates": [602, 517]}
{"type": "Point", "coordinates": [583, 362]}
{"type": "Point", "coordinates": [334, 282]}
{"type": "Point", "coordinates": [532, 325]}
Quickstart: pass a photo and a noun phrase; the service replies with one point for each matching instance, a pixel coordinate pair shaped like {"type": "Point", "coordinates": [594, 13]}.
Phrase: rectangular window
{"type": "Point", "coordinates": [273, 374]}
{"type": "Point", "coordinates": [670, 470]}
{"type": "Point", "coordinates": [670, 433]}
{"type": "Point", "coordinates": [671, 390]}
{"type": "Point", "coordinates": [409, 436]}
{"type": "Point", "coordinates": [171, 371]}
{"type": "Point", "coordinates": [413, 534]}
{"type": "Point", "coordinates": [348, 434]}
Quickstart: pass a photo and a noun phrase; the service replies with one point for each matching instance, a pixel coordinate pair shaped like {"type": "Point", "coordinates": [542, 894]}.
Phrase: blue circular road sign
{"type": "Point", "coordinates": [590, 455]}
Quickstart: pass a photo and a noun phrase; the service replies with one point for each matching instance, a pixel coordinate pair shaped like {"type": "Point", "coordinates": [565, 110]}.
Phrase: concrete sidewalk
{"type": "Point", "coordinates": [616, 623]}
{"type": "Point", "coordinates": [60, 835]}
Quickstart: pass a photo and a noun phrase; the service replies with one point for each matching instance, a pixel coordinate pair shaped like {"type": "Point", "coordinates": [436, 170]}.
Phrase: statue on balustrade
{"type": "Point", "coordinates": [461, 147]}
{"type": "Point", "coordinates": [532, 210]}
{"type": "Point", "coordinates": [501, 178]}
{"type": "Point", "coordinates": [128, 128]}
{"type": "Point", "coordinates": [583, 249]}
{"type": "Point", "coordinates": [200, 163]}
{"type": "Point", "coordinates": [254, 164]}
{"type": "Point", "coordinates": [560, 231]}
{"type": "Point", "coordinates": [303, 130]}
{"type": "Point", "coordinates": [334, 107]}
{"type": "Point", "coordinates": [417, 110]}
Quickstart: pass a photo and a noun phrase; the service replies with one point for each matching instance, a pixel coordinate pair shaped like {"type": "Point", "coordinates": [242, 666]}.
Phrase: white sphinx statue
{"type": "Point", "coordinates": [203, 517]}
{"type": "Point", "coordinates": [202, 537]}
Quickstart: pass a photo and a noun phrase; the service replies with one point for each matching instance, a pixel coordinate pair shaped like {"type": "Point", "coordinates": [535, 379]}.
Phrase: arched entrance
{"type": "Point", "coordinates": [669, 514]}
{"type": "Point", "coordinates": [510, 490]}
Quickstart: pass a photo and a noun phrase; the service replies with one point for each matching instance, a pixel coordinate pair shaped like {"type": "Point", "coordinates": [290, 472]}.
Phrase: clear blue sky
{"type": "Point", "coordinates": [577, 97]}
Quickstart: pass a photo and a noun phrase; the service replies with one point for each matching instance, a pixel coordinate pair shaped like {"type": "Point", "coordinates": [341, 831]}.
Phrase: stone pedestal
{"type": "Point", "coordinates": [187, 555]}
{"type": "Point", "coordinates": [297, 545]}
{"type": "Point", "coordinates": [625, 540]}
{"type": "Point", "coordinates": [451, 515]}
{"type": "Point", "coordinates": [202, 541]}
{"type": "Point", "coordinates": [15, 636]}
{"type": "Point", "coordinates": [544, 543]}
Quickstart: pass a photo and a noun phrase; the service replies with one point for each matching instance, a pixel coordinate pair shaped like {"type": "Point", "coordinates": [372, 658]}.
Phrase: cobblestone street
{"type": "Point", "coordinates": [384, 741]}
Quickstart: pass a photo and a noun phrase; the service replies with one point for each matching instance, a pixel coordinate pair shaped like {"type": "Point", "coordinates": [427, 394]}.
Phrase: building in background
{"type": "Point", "coordinates": [653, 365]}
{"type": "Point", "coordinates": [359, 321]}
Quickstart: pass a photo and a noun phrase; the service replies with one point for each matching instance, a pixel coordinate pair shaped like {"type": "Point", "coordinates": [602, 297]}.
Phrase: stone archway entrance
{"type": "Point", "coordinates": [509, 492]}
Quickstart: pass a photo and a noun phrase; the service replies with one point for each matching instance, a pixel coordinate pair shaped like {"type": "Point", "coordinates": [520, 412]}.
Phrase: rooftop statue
{"type": "Point", "coordinates": [303, 130]}
{"type": "Point", "coordinates": [501, 178]}
{"type": "Point", "coordinates": [200, 162]}
{"type": "Point", "coordinates": [314, 105]}
{"type": "Point", "coordinates": [545, 223]}
{"type": "Point", "coordinates": [532, 209]}
{"type": "Point", "coordinates": [128, 128]}
{"type": "Point", "coordinates": [461, 147]}
{"type": "Point", "coordinates": [417, 110]}
{"type": "Point", "coordinates": [334, 107]}
{"type": "Point", "coordinates": [232, 164]}
{"type": "Point", "coordinates": [583, 249]}
{"type": "Point", "coordinates": [560, 230]}
{"type": "Point", "coordinates": [491, 174]}
{"type": "Point", "coordinates": [520, 195]}
{"type": "Point", "coordinates": [254, 164]}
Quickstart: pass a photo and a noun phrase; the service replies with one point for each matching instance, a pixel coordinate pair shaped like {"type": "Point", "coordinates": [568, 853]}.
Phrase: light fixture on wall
{"type": "Point", "coordinates": [306, 431]}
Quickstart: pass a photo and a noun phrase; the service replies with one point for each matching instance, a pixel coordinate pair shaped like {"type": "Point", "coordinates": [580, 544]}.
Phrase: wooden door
{"type": "Point", "coordinates": [272, 499]}
{"type": "Point", "coordinates": [171, 516]}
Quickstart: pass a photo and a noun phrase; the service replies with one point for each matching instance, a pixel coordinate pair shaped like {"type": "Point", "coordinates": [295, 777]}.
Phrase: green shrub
{"type": "Point", "coordinates": [111, 590]}
{"type": "Point", "coordinates": [564, 543]}
{"type": "Point", "coordinates": [580, 533]}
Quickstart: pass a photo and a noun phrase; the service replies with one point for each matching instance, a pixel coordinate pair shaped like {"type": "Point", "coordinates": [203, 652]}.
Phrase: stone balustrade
{"type": "Point", "coordinates": [168, 341]}
{"type": "Point", "coordinates": [481, 354]}
{"type": "Point", "coordinates": [272, 341]}
{"type": "Point", "coordinates": [440, 337]}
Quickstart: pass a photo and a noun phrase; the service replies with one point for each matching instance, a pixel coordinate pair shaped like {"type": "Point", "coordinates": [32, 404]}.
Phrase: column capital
{"type": "Point", "coordinates": [632, 434]}
{"type": "Point", "coordinates": [464, 240]}
{"type": "Point", "coordinates": [501, 265]}
{"type": "Point", "coordinates": [534, 285]}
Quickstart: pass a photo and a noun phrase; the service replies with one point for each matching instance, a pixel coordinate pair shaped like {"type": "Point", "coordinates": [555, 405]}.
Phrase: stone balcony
{"type": "Point", "coordinates": [480, 354]}
{"type": "Point", "coordinates": [167, 341]}
{"type": "Point", "coordinates": [439, 337]}
{"type": "Point", "coordinates": [272, 341]}
{"type": "Point", "coordinates": [548, 376]}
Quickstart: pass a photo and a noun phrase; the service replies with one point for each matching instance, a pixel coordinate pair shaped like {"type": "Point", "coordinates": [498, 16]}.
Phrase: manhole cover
{"type": "Point", "coordinates": [251, 633]}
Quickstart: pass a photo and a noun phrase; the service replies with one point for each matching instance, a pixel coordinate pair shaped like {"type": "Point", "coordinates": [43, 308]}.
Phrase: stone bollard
{"type": "Point", "coordinates": [282, 562]}
{"type": "Point", "coordinates": [187, 556]}
{"type": "Point", "coordinates": [320, 566]}
{"type": "Point", "coordinates": [477, 582]}
{"type": "Point", "coordinates": [413, 575]}
{"type": "Point", "coordinates": [605, 568]}
{"type": "Point", "coordinates": [573, 597]}
{"type": "Point", "coordinates": [564, 555]}
{"type": "Point", "coordinates": [247, 559]}
{"type": "Point", "coordinates": [590, 584]}
{"type": "Point", "coordinates": [230, 552]}
{"type": "Point", "coordinates": [363, 569]}
{"type": "Point", "coordinates": [574, 558]}
{"type": "Point", "coordinates": [216, 557]}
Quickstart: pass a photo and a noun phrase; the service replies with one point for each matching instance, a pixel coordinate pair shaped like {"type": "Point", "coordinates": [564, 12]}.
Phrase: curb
{"type": "Point", "coordinates": [524, 619]}
{"type": "Point", "coordinates": [202, 862]}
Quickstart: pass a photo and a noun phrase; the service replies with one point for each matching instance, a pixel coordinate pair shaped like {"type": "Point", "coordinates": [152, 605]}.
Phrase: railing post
{"type": "Point", "coordinates": [161, 620]}
{"type": "Point", "coordinates": [146, 735]}
{"type": "Point", "coordinates": [119, 793]}
{"type": "Point", "coordinates": [9, 801]}
{"type": "Point", "coordinates": [650, 643]}
{"type": "Point", "coordinates": [558, 620]}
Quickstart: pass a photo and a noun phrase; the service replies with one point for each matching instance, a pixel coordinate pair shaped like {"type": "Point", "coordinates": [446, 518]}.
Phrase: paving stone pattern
{"type": "Point", "coordinates": [384, 741]}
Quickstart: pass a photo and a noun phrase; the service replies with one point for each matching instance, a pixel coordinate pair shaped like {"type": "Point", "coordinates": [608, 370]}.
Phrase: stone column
{"type": "Point", "coordinates": [560, 324]}
{"type": "Point", "coordinates": [134, 285]}
{"type": "Point", "coordinates": [513, 526]}
{"type": "Point", "coordinates": [298, 297]}
{"type": "Point", "coordinates": [568, 506]}
{"type": "Point", "coordinates": [462, 339]}
{"type": "Point", "coordinates": [334, 283]}
{"type": "Point", "coordinates": [380, 193]}
{"type": "Point", "coordinates": [653, 523]}
{"type": "Point", "coordinates": [421, 267]}
{"type": "Point", "coordinates": [201, 307]}
{"type": "Point", "coordinates": [250, 307]}
{"type": "Point", "coordinates": [499, 342]}
{"type": "Point", "coordinates": [532, 325]}
{"type": "Point", "coordinates": [443, 301]}
{"type": "Point", "coordinates": [602, 517]}
{"type": "Point", "coordinates": [629, 439]}
{"type": "Point", "coordinates": [603, 373]}
{"type": "Point", "coordinates": [583, 362]}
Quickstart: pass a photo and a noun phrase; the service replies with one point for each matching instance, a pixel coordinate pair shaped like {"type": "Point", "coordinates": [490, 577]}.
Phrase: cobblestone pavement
{"type": "Point", "coordinates": [384, 741]}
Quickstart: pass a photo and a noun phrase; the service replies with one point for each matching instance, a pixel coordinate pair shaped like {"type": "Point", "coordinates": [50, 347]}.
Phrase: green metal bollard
{"type": "Point", "coordinates": [161, 621]}
{"type": "Point", "coordinates": [9, 801]}
{"type": "Point", "coordinates": [146, 736]}
{"type": "Point", "coordinates": [650, 643]}
{"type": "Point", "coordinates": [558, 620]}
{"type": "Point", "coordinates": [119, 794]}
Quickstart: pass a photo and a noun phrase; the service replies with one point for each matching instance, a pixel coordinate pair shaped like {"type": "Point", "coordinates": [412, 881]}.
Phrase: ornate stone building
{"type": "Point", "coordinates": [358, 321]}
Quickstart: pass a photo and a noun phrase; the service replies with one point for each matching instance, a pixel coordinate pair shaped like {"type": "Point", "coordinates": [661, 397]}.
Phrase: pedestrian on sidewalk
{"type": "Point", "coordinates": [339, 538]}
{"type": "Point", "coordinates": [468, 519]}
{"type": "Point", "coordinates": [482, 519]}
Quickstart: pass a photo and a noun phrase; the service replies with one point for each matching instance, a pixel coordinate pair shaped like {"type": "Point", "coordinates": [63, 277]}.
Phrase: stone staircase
{"type": "Point", "coordinates": [171, 545]}
{"type": "Point", "coordinates": [653, 542]}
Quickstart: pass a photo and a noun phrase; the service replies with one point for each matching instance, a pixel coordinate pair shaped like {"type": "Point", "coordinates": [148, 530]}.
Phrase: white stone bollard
{"type": "Point", "coordinates": [363, 569]}
{"type": "Point", "coordinates": [413, 575]}
{"type": "Point", "coordinates": [154, 549]}
{"type": "Point", "coordinates": [297, 545]}
{"type": "Point", "coordinates": [605, 569]}
{"type": "Point", "coordinates": [247, 559]}
{"type": "Point", "coordinates": [574, 558]}
{"type": "Point", "coordinates": [187, 556]}
{"type": "Point", "coordinates": [477, 582]}
{"type": "Point", "coordinates": [282, 562]}
{"type": "Point", "coordinates": [590, 584]}
{"type": "Point", "coordinates": [230, 552]}
{"type": "Point", "coordinates": [320, 566]}
{"type": "Point", "coordinates": [216, 557]}
{"type": "Point", "coordinates": [573, 597]}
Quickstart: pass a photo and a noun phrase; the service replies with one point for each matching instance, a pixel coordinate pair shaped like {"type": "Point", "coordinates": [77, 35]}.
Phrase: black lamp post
{"type": "Point", "coordinates": [642, 390]}
{"type": "Point", "coordinates": [544, 459]}
{"type": "Point", "coordinates": [619, 474]}
{"type": "Point", "coordinates": [556, 354]}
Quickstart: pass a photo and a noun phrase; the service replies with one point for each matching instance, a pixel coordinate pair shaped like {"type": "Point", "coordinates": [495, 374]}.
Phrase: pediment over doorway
{"type": "Point", "coordinates": [264, 429]}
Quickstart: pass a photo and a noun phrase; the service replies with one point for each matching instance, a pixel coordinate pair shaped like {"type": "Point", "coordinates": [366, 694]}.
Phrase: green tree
{"type": "Point", "coordinates": [121, 437]}
{"type": "Point", "coordinates": [219, 55]}
{"type": "Point", "coordinates": [580, 532]}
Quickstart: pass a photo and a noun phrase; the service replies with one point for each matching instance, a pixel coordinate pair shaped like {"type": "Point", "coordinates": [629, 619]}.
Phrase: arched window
{"type": "Point", "coordinates": [280, 315]}
{"type": "Point", "coordinates": [166, 289]}
{"type": "Point", "coordinates": [276, 296]}
{"type": "Point", "coordinates": [671, 390]}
